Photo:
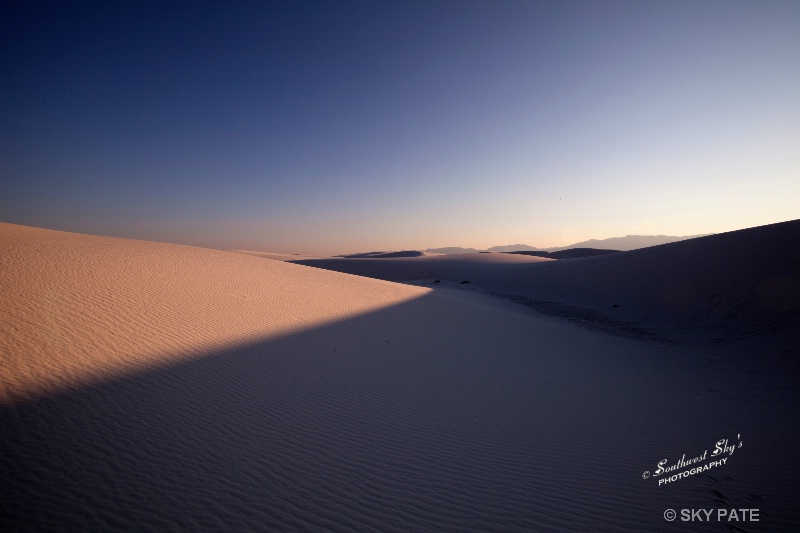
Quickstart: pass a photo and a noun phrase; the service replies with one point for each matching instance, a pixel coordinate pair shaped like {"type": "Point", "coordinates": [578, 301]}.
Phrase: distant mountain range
{"type": "Point", "coordinates": [629, 242]}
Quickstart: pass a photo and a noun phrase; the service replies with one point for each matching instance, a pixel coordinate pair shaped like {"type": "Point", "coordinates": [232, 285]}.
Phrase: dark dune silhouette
{"type": "Point", "coordinates": [534, 253]}
{"type": "Point", "coordinates": [571, 253]}
{"type": "Point", "coordinates": [577, 253]}
{"type": "Point", "coordinates": [384, 255]}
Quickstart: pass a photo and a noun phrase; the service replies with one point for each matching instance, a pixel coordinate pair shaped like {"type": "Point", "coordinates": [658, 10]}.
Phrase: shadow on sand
{"type": "Point", "coordinates": [380, 422]}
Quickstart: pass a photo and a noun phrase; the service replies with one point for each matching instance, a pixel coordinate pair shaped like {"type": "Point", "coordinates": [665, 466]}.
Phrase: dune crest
{"type": "Point", "coordinates": [109, 305]}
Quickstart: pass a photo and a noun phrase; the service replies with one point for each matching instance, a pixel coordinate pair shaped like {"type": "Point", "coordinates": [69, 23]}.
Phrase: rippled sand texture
{"type": "Point", "coordinates": [158, 387]}
{"type": "Point", "coordinates": [79, 307]}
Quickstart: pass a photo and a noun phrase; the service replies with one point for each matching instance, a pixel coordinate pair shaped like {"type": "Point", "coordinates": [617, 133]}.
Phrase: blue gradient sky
{"type": "Point", "coordinates": [332, 127]}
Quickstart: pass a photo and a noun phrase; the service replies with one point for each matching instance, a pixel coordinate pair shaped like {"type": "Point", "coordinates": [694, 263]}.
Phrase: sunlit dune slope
{"type": "Point", "coordinates": [78, 307]}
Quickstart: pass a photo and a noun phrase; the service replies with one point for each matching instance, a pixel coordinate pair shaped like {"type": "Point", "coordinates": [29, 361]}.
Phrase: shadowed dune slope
{"type": "Point", "coordinates": [442, 413]}
{"type": "Point", "coordinates": [725, 287]}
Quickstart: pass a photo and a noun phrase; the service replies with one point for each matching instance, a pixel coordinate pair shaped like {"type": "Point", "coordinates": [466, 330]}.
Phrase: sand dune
{"type": "Point", "coordinates": [570, 253]}
{"type": "Point", "coordinates": [108, 305]}
{"type": "Point", "coordinates": [722, 287]}
{"type": "Point", "coordinates": [386, 255]}
{"type": "Point", "coordinates": [450, 268]}
{"type": "Point", "coordinates": [150, 386]}
{"type": "Point", "coordinates": [276, 256]}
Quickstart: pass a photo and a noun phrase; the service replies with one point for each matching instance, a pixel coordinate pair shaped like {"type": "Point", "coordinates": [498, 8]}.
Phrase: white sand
{"type": "Point", "coordinates": [276, 256]}
{"type": "Point", "coordinates": [78, 306]}
{"type": "Point", "coordinates": [723, 287]}
{"type": "Point", "coordinates": [149, 386]}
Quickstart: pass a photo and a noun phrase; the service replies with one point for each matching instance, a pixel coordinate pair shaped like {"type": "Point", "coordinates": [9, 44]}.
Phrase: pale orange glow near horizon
{"type": "Point", "coordinates": [538, 123]}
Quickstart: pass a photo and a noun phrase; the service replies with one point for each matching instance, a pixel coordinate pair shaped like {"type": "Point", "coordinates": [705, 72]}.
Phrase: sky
{"type": "Point", "coordinates": [335, 127]}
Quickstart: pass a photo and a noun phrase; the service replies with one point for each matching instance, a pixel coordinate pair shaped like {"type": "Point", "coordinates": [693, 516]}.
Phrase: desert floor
{"type": "Point", "coordinates": [149, 386]}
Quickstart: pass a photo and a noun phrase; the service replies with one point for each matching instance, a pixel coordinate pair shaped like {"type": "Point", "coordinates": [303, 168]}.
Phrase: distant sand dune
{"type": "Point", "coordinates": [570, 253]}
{"type": "Point", "coordinates": [723, 287]}
{"type": "Point", "coordinates": [386, 255]}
